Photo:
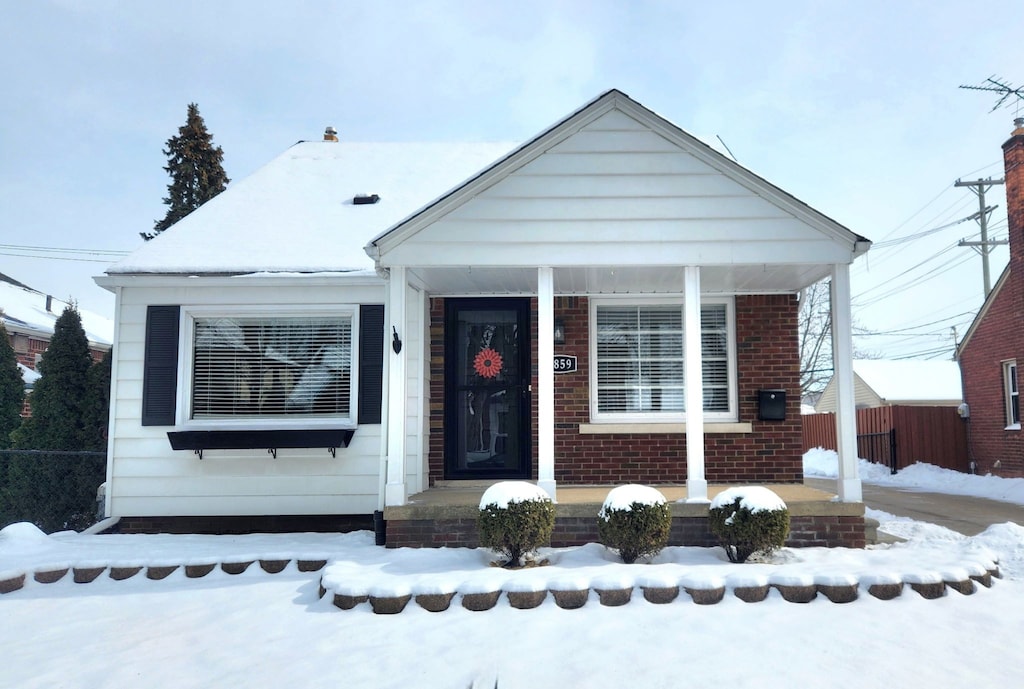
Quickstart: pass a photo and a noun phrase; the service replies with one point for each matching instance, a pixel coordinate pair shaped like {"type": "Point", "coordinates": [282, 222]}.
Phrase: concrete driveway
{"type": "Point", "coordinates": [966, 515]}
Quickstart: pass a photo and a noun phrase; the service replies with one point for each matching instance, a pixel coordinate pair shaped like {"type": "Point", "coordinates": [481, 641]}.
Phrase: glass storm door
{"type": "Point", "coordinates": [487, 383]}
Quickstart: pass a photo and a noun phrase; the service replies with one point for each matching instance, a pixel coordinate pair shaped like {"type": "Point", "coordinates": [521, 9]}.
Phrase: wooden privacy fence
{"type": "Point", "coordinates": [936, 435]}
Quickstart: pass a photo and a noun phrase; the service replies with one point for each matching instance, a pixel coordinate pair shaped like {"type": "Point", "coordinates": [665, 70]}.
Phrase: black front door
{"type": "Point", "coordinates": [487, 384]}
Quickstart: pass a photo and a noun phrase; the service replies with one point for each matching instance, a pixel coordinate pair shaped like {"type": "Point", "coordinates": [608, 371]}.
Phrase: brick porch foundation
{"type": "Point", "coordinates": [825, 524]}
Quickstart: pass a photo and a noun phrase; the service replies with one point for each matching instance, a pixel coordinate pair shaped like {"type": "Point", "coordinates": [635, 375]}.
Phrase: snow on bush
{"type": "Point", "coordinates": [635, 520]}
{"type": "Point", "coordinates": [748, 519]}
{"type": "Point", "coordinates": [515, 519]}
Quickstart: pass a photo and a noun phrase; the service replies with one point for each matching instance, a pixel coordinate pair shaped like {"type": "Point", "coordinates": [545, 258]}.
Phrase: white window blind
{"type": "Point", "coordinates": [271, 366]}
{"type": "Point", "coordinates": [640, 359]}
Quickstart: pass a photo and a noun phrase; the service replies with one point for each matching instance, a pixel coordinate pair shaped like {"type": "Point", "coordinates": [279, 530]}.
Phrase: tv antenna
{"type": "Point", "coordinates": [1000, 86]}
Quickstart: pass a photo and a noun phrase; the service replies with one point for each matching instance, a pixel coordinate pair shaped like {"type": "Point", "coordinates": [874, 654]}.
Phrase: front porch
{"type": "Point", "coordinates": [445, 516]}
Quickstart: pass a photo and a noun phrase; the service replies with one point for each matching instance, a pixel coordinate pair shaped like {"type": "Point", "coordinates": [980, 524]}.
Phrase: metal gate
{"type": "Point", "coordinates": [879, 448]}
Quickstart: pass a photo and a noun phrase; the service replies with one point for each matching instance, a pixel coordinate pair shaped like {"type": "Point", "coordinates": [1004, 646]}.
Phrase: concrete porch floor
{"type": "Point", "coordinates": [452, 493]}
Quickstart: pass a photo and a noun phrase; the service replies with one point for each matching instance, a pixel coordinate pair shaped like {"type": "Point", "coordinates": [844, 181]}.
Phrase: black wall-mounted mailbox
{"type": "Point", "coordinates": [771, 405]}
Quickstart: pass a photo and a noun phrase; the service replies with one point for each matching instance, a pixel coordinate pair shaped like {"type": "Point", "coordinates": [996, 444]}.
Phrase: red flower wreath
{"type": "Point", "coordinates": [487, 363]}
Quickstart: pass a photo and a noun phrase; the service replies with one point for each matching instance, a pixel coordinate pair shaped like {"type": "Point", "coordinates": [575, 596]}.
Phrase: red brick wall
{"type": "Point", "coordinates": [806, 531]}
{"type": "Point", "coordinates": [766, 332]}
{"type": "Point", "coordinates": [997, 338]}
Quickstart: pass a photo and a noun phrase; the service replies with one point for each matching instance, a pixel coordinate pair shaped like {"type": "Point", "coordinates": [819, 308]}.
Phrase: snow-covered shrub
{"type": "Point", "coordinates": [635, 520]}
{"type": "Point", "coordinates": [515, 519]}
{"type": "Point", "coordinates": [748, 519]}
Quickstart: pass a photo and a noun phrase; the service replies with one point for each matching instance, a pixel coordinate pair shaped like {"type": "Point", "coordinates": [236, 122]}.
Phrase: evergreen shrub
{"type": "Point", "coordinates": [635, 520]}
{"type": "Point", "coordinates": [515, 519]}
{"type": "Point", "coordinates": [747, 520]}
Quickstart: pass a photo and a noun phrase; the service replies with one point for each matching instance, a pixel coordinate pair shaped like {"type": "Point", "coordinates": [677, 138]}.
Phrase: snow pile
{"type": "Point", "coordinates": [505, 492]}
{"type": "Point", "coordinates": [920, 476]}
{"type": "Point", "coordinates": [622, 498]}
{"type": "Point", "coordinates": [752, 498]}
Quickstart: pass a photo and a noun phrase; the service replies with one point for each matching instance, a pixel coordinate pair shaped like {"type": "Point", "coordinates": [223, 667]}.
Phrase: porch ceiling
{"type": "Point", "coordinates": [731, 279]}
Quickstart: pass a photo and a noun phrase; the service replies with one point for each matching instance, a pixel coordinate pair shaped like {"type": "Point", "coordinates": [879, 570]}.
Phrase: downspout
{"type": "Point", "coordinates": [115, 358]}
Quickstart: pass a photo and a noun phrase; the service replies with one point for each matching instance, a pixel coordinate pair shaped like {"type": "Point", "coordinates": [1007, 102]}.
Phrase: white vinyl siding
{"type": "Point", "coordinates": [148, 478]}
{"type": "Point", "coordinates": [638, 361]}
{"type": "Point", "coordinates": [282, 367]}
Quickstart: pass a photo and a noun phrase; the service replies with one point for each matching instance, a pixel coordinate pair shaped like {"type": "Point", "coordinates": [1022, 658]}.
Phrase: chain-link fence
{"type": "Point", "coordinates": [55, 490]}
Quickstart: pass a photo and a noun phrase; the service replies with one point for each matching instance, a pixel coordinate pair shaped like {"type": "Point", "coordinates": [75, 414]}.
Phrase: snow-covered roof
{"type": "Point", "coordinates": [910, 380]}
{"type": "Point", "coordinates": [28, 375]}
{"type": "Point", "coordinates": [296, 214]}
{"type": "Point", "coordinates": [24, 310]}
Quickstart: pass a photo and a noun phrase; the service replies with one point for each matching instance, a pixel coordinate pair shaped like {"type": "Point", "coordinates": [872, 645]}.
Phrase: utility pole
{"type": "Point", "coordinates": [984, 247]}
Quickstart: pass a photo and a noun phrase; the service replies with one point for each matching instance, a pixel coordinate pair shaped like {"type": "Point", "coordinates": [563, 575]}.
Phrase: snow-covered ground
{"type": "Point", "coordinates": [920, 476]}
{"type": "Point", "coordinates": [273, 630]}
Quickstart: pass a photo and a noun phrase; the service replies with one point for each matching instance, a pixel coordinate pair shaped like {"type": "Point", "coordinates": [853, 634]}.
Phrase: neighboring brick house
{"type": "Point", "coordinates": [29, 316]}
{"type": "Point", "coordinates": [612, 301]}
{"type": "Point", "coordinates": [994, 344]}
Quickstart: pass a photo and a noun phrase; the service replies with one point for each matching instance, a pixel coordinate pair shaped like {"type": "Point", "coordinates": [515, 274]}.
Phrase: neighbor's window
{"type": "Point", "coordinates": [1011, 394]}
{"type": "Point", "coordinates": [279, 366]}
{"type": "Point", "coordinates": [639, 361]}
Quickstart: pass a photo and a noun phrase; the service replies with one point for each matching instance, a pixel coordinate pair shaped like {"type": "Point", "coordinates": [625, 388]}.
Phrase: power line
{"type": "Point", "coordinates": [63, 249]}
{"type": "Point", "coordinates": [58, 258]}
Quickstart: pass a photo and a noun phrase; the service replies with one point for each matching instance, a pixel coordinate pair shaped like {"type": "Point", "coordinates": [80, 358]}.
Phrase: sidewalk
{"type": "Point", "coordinates": [967, 515]}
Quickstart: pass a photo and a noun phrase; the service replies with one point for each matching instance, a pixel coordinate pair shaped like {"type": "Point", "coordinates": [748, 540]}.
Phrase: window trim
{"type": "Point", "coordinates": [1012, 424]}
{"type": "Point", "coordinates": [730, 416]}
{"type": "Point", "coordinates": [187, 353]}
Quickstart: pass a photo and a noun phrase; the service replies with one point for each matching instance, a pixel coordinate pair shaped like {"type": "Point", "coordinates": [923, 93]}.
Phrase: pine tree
{"type": "Point", "coordinates": [12, 390]}
{"type": "Point", "coordinates": [196, 170]}
{"type": "Point", "coordinates": [57, 491]}
{"type": "Point", "coordinates": [97, 406]}
{"type": "Point", "coordinates": [60, 395]}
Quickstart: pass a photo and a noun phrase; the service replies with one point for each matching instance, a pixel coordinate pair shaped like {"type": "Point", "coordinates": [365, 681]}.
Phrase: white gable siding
{"type": "Point", "coordinates": [148, 478]}
{"type": "Point", "coordinates": [863, 396]}
{"type": "Point", "coordinates": [613, 193]}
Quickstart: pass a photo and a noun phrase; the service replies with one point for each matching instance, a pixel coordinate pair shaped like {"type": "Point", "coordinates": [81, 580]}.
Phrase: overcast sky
{"type": "Point", "coordinates": [852, 107]}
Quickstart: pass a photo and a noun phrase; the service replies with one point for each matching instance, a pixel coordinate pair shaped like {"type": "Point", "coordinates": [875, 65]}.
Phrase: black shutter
{"type": "Point", "coordinates": [160, 369]}
{"type": "Point", "coordinates": [371, 362]}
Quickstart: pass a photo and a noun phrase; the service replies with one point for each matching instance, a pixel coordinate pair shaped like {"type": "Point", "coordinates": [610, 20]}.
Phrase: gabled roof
{"type": "Point", "coordinates": [296, 214]}
{"type": "Point", "coordinates": [571, 125]}
{"type": "Point", "coordinates": [911, 380]}
{"type": "Point", "coordinates": [983, 311]}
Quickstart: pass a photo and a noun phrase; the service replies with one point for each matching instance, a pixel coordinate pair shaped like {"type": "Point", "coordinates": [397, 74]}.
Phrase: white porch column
{"type": "Point", "coordinates": [546, 380]}
{"type": "Point", "coordinates": [696, 484]}
{"type": "Point", "coordinates": [848, 485]}
{"type": "Point", "coordinates": [395, 490]}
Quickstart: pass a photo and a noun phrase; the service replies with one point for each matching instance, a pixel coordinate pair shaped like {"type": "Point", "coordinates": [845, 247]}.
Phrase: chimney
{"type": "Point", "coordinates": [1013, 161]}
{"type": "Point", "coordinates": [49, 304]}
{"type": "Point", "coordinates": [330, 134]}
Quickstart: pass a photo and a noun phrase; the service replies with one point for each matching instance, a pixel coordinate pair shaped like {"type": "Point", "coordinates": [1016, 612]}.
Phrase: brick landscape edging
{"type": "Point", "coordinates": [86, 573]}
{"type": "Point", "coordinates": [928, 584]}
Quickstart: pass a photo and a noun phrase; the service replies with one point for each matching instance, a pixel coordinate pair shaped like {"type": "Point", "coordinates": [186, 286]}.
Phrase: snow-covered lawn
{"type": "Point", "coordinates": [273, 630]}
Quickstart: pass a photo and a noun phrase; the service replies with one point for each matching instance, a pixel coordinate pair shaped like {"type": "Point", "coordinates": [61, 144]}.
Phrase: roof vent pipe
{"type": "Point", "coordinates": [49, 304]}
{"type": "Point", "coordinates": [330, 134]}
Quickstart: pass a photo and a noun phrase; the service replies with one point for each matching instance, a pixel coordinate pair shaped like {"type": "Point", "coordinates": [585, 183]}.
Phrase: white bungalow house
{"type": "Point", "coordinates": [612, 301]}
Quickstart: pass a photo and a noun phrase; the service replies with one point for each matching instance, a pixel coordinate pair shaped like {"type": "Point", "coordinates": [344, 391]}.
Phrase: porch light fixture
{"type": "Point", "coordinates": [559, 331]}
